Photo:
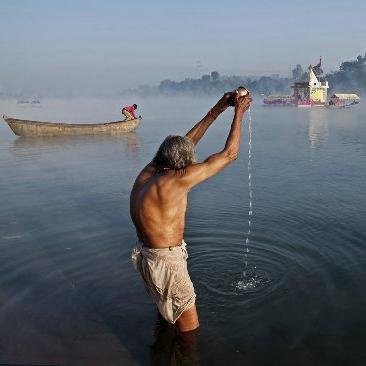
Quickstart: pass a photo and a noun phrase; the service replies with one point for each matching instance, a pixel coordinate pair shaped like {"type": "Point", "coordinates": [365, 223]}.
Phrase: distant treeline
{"type": "Point", "coordinates": [351, 77]}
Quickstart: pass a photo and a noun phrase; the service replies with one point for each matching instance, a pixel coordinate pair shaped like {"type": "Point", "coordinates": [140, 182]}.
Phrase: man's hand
{"type": "Point", "coordinates": [223, 103]}
{"type": "Point", "coordinates": [242, 103]}
{"type": "Point", "coordinates": [198, 130]}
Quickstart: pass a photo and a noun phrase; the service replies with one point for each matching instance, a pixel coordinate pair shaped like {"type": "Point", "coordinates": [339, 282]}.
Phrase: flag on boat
{"type": "Point", "coordinates": [319, 64]}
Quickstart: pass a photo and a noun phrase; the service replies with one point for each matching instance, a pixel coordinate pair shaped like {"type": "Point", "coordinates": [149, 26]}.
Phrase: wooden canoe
{"type": "Point", "coordinates": [35, 128]}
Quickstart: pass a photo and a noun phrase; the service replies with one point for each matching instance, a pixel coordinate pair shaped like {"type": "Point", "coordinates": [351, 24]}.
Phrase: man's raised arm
{"type": "Point", "coordinates": [197, 173]}
{"type": "Point", "coordinates": [195, 134]}
{"type": "Point", "coordinates": [199, 129]}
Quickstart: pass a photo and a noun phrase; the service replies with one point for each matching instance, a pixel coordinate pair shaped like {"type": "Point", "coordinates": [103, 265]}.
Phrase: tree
{"type": "Point", "coordinates": [215, 75]}
{"type": "Point", "coordinates": [297, 72]}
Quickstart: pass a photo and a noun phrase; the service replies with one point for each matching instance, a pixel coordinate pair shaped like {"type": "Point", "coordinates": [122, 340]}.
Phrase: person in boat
{"type": "Point", "coordinates": [129, 112]}
{"type": "Point", "coordinates": [158, 203]}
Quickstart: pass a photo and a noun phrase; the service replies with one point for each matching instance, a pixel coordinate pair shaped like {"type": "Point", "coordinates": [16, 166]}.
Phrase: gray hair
{"type": "Point", "coordinates": [175, 152]}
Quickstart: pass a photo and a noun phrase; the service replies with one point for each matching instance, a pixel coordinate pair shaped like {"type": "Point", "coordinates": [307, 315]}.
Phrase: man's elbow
{"type": "Point", "coordinates": [232, 155]}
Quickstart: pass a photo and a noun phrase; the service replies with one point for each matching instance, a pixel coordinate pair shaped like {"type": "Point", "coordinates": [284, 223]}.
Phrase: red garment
{"type": "Point", "coordinates": [131, 109]}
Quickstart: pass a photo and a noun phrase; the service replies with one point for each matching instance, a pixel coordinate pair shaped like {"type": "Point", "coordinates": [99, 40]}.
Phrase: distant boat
{"type": "Point", "coordinates": [35, 101]}
{"type": "Point", "coordinates": [36, 128]}
{"type": "Point", "coordinates": [340, 100]}
{"type": "Point", "coordinates": [304, 103]}
{"type": "Point", "coordinates": [23, 101]}
{"type": "Point", "coordinates": [309, 93]}
{"type": "Point", "coordinates": [278, 100]}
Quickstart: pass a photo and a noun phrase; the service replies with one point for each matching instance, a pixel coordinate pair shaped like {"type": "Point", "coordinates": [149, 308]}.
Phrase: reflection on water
{"type": "Point", "coordinates": [173, 348]}
{"type": "Point", "coordinates": [130, 141]}
{"type": "Point", "coordinates": [69, 294]}
{"type": "Point", "coordinates": [318, 127]}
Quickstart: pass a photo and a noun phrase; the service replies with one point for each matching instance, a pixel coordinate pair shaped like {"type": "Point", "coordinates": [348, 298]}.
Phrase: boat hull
{"type": "Point", "coordinates": [35, 128]}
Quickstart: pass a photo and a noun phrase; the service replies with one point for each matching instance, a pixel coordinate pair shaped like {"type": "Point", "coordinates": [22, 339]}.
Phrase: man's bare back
{"type": "Point", "coordinates": [158, 207]}
{"type": "Point", "coordinates": [158, 199]}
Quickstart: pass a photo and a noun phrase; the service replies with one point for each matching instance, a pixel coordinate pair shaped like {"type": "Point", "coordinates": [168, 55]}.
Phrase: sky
{"type": "Point", "coordinates": [73, 47]}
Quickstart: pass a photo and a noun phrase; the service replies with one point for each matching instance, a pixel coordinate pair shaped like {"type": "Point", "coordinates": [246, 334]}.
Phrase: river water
{"type": "Point", "coordinates": [69, 294]}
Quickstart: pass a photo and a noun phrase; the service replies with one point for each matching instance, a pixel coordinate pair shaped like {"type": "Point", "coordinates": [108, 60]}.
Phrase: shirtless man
{"type": "Point", "coordinates": [158, 205]}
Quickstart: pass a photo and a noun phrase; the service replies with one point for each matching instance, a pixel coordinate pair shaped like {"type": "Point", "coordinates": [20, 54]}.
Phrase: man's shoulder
{"type": "Point", "coordinates": [149, 175]}
{"type": "Point", "coordinates": [190, 170]}
{"type": "Point", "coordinates": [167, 180]}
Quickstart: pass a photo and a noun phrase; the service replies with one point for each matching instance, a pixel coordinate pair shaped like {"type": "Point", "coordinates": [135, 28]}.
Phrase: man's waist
{"type": "Point", "coordinates": [162, 247]}
{"type": "Point", "coordinates": [171, 253]}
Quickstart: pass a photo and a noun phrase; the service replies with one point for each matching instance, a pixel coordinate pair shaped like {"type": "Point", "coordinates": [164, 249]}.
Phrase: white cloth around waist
{"type": "Point", "coordinates": [154, 253]}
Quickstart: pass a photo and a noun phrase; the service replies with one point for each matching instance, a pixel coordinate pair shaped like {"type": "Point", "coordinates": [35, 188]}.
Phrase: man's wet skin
{"type": "Point", "coordinates": [158, 200]}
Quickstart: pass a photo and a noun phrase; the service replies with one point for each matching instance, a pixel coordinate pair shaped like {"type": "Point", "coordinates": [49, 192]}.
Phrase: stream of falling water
{"type": "Point", "coordinates": [251, 279]}
{"type": "Point", "coordinates": [250, 191]}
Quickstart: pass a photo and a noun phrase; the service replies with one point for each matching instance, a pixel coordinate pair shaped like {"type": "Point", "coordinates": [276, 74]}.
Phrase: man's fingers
{"type": "Point", "coordinates": [242, 101]}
